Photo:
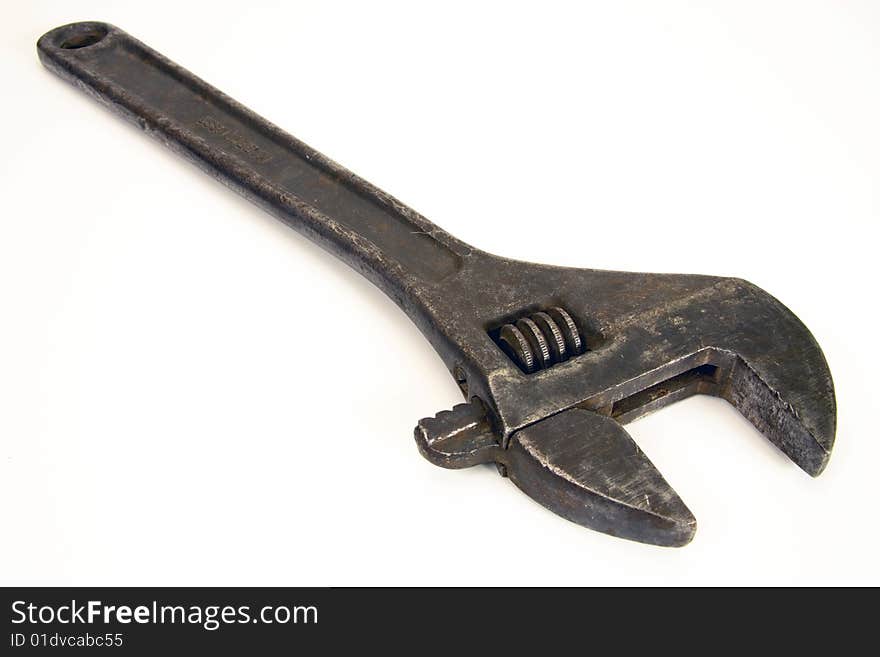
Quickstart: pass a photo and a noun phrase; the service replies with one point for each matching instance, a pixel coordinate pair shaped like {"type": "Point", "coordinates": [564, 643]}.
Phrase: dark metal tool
{"type": "Point", "coordinates": [552, 361]}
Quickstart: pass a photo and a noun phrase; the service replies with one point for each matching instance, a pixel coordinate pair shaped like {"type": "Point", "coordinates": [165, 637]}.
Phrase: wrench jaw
{"type": "Point", "coordinates": [779, 379]}
{"type": "Point", "coordinates": [582, 466]}
{"type": "Point", "coordinates": [586, 468]}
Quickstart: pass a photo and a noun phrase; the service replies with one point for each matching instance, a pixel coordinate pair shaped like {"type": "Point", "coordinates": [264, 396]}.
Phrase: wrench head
{"type": "Point", "coordinates": [554, 424]}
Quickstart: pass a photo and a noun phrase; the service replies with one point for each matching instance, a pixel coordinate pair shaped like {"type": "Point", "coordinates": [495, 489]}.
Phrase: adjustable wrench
{"type": "Point", "coordinates": [552, 361]}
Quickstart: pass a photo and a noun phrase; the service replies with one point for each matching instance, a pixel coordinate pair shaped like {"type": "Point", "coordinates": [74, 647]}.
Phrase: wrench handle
{"type": "Point", "coordinates": [391, 244]}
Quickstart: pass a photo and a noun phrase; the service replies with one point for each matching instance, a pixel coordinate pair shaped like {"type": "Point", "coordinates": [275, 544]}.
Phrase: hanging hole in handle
{"type": "Point", "coordinates": [84, 39]}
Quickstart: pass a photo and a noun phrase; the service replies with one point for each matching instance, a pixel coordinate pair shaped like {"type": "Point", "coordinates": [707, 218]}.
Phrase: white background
{"type": "Point", "coordinates": [174, 408]}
